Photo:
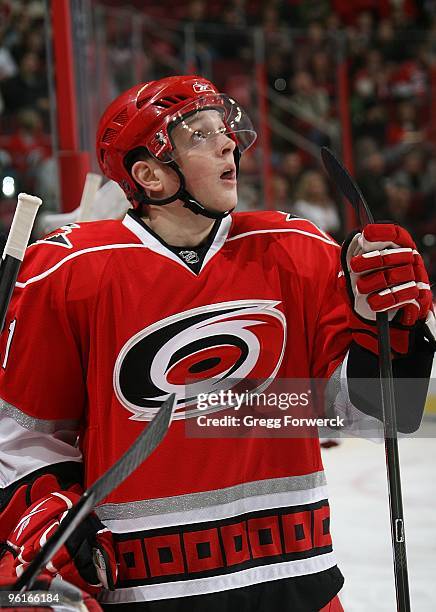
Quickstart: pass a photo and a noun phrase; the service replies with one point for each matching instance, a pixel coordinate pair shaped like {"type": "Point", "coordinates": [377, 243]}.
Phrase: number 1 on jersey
{"type": "Point", "coordinates": [9, 342]}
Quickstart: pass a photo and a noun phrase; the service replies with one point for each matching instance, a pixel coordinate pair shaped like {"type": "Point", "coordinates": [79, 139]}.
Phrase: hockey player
{"type": "Point", "coordinates": [184, 295]}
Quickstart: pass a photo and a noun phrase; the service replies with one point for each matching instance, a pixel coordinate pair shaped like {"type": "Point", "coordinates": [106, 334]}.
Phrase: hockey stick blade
{"type": "Point", "coordinates": [340, 176]}
{"type": "Point", "coordinates": [142, 448]}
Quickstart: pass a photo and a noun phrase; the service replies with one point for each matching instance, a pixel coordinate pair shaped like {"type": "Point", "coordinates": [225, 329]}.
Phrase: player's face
{"type": "Point", "coordinates": [204, 153]}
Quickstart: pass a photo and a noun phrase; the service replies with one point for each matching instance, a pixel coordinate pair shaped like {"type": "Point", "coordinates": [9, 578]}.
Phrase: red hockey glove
{"type": "Point", "coordinates": [26, 493]}
{"type": "Point", "coordinates": [385, 272]}
{"type": "Point", "coordinates": [87, 562]}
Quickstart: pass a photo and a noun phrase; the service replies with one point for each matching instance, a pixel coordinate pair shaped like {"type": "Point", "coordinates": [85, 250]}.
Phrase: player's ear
{"type": "Point", "coordinates": [147, 174]}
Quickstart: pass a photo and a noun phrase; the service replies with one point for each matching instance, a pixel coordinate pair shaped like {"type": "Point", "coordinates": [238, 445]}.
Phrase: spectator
{"type": "Point", "coordinates": [361, 33]}
{"type": "Point", "coordinates": [233, 41]}
{"type": "Point", "coordinates": [408, 79]}
{"type": "Point", "coordinates": [278, 71]}
{"type": "Point", "coordinates": [372, 182]}
{"type": "Point", "coordinates": [8, 66]}
{"type": "Point", "coordinates": [371, 82]}
{"type": "Point", "coordinates": [281, 193]}
{"type": "Point", "coordinates": [28, 89]}
{"type": "Point", "coordinates": [387, 43]}
{"type": "Point", "coordinates": [313, 41]}
{"type": "Point", "coordinates": [313, 202]}
{"type": "Point", "coordinates": [196, 13]}
{"type": "Point", "coordinates": [311, 104]}
{"type": "Point", "coordinates": [322, 68]}
{"type": "Point", "coordinates": [413, 172]}
{"type": "Point", "coordinates": [431, 36]}
{"type": "Point", "coordinates": [271, 18]}
{"type": "Point", "coordinates": [20, 23]}
{"type": "Point", "coordinates": [248, 196]}
{"type": "Point", "coordinates": [398, 202]}
{"type": "Point", "coordinates": [28, 146]}
{"type": "Point", "coordinates": [370, 121]}
{"type": "Point", "coordinates": [310, 11]}
{"type": "Point", "coordinates": [291, 167]}
{"type": "Point", "coordinates": [404, 29]}
{"type": "Point", "coordinates": [29, 140]}
{"type": "Point", "coordinates": [197, 17]}
{"type": "Point", "coordinates": [276, 36]}
{"type": "Point", "coordinates": [333, 29]}
{"type": "Point", "coordinates": [34, 42]}
{"type": "Point", "coordinates": [405, 128]}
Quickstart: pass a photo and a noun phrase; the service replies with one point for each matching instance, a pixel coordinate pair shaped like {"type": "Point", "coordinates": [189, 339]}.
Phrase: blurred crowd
{"type": "Point", "coordinates": [388, 48]}
{"type": "Point", "coordinates": [25, 142]}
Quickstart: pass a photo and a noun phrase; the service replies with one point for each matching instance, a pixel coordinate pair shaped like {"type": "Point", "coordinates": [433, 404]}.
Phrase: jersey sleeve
{"type": "Point", "coordinates": [332, 337]}
{"type": "Point", "coordinates": [42, 387]}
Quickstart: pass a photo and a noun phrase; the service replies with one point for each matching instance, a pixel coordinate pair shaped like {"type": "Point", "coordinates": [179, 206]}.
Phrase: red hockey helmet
{"type": "Point", "coordinates": [144, 116]}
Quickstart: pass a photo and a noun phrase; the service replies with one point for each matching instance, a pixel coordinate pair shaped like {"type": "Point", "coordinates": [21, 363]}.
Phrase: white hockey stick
{"type": "Point", "coordinates": [16, 244]}
{"type": "Point", "coordinates": [92, 185]}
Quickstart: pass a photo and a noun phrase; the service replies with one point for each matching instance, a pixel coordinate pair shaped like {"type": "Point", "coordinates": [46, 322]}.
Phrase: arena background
{"type": "Point", "coordinates": [359, 76]}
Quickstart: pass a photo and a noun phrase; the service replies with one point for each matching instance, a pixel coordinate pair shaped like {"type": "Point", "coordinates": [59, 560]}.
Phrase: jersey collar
{"type": "Point", "coordinates": [156, 244]}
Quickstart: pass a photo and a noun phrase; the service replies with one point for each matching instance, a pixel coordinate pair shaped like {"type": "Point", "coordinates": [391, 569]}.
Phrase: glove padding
{"type": "Point", "coordinates": [26, 493]}
{"type": "Point", "coordinates": [385, 272]}
{"type": "Point", "coordinates": [87, 561]}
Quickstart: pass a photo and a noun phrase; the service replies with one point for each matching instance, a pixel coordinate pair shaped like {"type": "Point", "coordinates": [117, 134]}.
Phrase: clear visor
{"type": "Point", "coordinates": [206, 125]}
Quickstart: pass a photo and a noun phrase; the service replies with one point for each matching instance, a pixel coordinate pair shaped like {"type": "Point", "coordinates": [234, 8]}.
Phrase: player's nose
{"type": "Point", "coordinates": [225, 144]}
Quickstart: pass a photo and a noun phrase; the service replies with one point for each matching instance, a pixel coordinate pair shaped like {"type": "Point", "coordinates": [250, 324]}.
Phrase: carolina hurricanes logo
{"type": "Point", "coordinates": [203, 350]}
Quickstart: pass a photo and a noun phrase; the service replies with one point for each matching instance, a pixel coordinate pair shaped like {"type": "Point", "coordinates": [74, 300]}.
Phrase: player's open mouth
{"type": "Point", "coordinates": [228, 175]}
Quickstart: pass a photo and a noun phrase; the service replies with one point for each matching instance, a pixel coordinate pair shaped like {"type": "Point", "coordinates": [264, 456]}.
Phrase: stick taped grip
{"type": "Point", "coordinates": [22, 224]}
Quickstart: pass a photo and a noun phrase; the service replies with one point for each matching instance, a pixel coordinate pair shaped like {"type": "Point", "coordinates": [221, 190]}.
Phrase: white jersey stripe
{"type": "Point", "coordinates": [281, 231]}
{"type": "Point", "coordinates": [219, 241]}
{"type": "Point", "coordinates": [290, 217]}
{"type": "Point", "coordinates": [213, 513]}
{"type": "Point", "coordinates": [60, 263]}
{"type": "Point", "coordinates": [23, 451]}
{"type": "Point", "coordinates": [215, 497]}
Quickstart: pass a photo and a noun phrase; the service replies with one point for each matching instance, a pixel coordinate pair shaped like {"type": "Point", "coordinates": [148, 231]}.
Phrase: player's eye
{"type": "Point", "coordinates": [199, 136]}
{"type": "Point", "coordinates": [202, 135]}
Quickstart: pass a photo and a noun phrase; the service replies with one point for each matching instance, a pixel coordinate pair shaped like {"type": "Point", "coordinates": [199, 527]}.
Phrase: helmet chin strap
{"type": "Point", "coordinates": [198, 209]}
{"type": "Point", "coordinates": [182, 194]}
{"type": "Point", "coordinates": [192, 203]}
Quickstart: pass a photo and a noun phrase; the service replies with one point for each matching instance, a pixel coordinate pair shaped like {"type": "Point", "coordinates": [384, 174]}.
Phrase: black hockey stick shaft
{"type": "Point", "coordinates": [349, 189]}
{"type": "Point", "coordinates": [142, 448]}
{"type": "Point", "coordinates": [13, 254]}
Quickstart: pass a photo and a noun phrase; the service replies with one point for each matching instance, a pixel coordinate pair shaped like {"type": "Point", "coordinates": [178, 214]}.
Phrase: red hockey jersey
{"type": "Point", "coordinates": [106, 321]}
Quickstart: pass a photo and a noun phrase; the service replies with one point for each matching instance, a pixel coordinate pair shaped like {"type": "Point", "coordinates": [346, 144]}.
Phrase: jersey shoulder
{"type": "Point", "coordinates": [270, 222]}
{"type": "Point", "coordinates": [72, 240]}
